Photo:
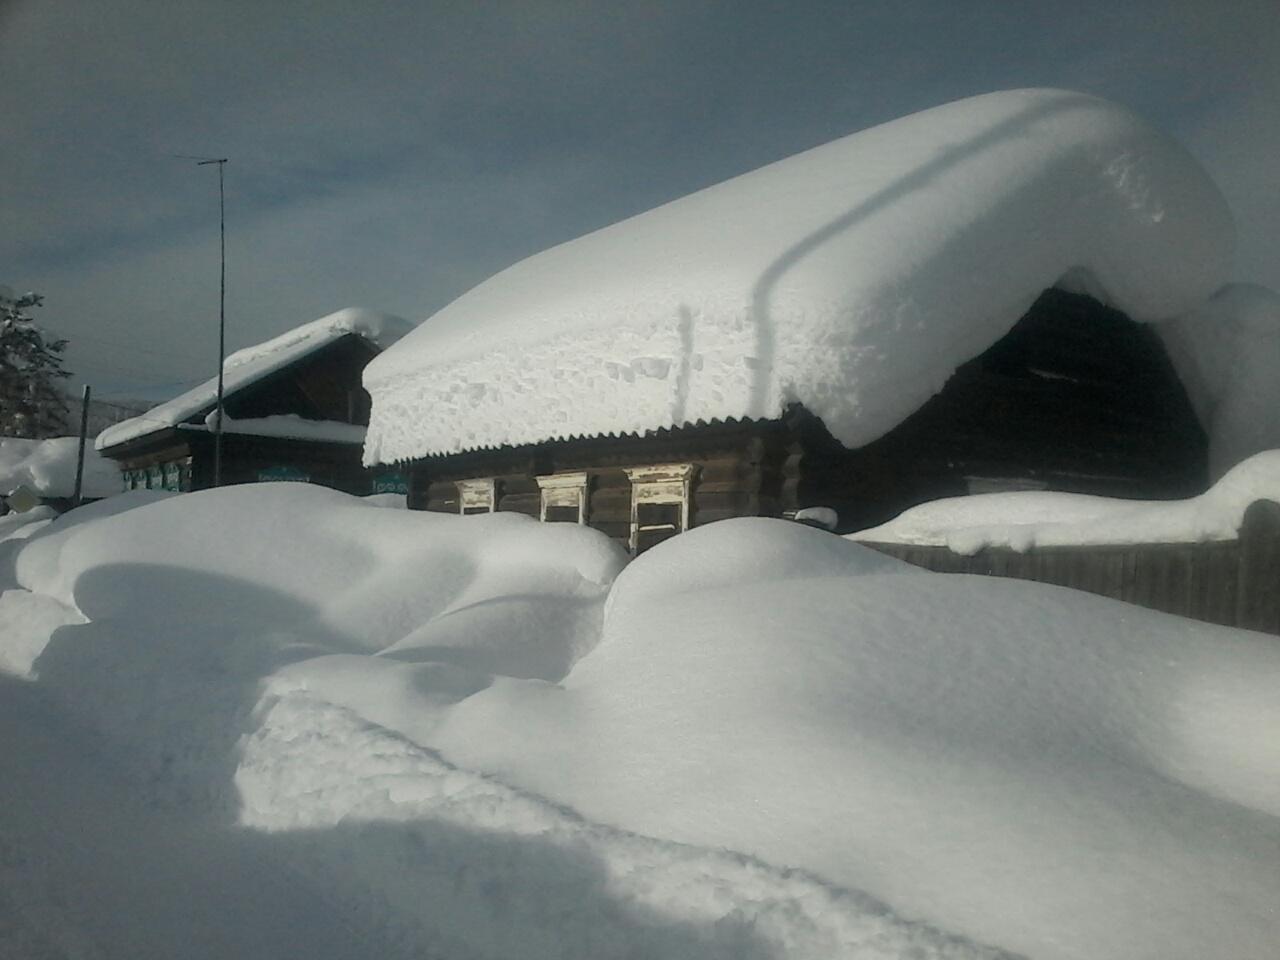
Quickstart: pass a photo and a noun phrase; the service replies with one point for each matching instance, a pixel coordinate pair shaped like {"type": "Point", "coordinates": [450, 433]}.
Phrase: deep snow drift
{"type": "Point", "coordinates": [757, 739]}
{"type": "Point", "coordinates": [853, 278]}
{"type": "Point", "coordinates": [252, 363]}
{"type": "Point", "coordinates": [1025, 519]}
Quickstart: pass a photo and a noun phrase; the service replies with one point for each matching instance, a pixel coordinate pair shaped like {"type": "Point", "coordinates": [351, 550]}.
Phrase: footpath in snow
{"type": "Point", "coordinates": [90, 870]}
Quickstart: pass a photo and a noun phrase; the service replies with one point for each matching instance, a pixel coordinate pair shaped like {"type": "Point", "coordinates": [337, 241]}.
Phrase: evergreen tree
{"type": "Point", "coordinates": [32, 403]}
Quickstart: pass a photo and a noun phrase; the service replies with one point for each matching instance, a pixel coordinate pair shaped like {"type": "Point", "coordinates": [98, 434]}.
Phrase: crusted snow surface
{"type": "Point", "coordinates": [1021, 520]}
{"type": "Point", "coordinates": [756, 740]}
{"type": "Point", "coordinates": [1227, 353]}
{"type": "Point", "coordinates": [853, 278]}
{"type": "Point", "coordinates": [253, 363]}
{"type": "Point", "coordinates": [48, 468]}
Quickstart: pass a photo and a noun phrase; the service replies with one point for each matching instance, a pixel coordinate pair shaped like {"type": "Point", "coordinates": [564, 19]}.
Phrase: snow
{"type": "Point", "coordinates": [852, 278]}
{"type": "Point", "coordinates": [823, 517]}
{"type": "Point", "coordinates": [1021, 520]}
{"type": "Point", "coordinates": [289, 426]}
{"type": "Point", "coordinates": [484, 736]}
{"type": "Point", "coordinates": [1227, 353]}
{"type": "Point", "coordinates": [247, 366]}
{"type": "Point", "coordinates": [48, 468]}
{"type": "Point", "coordinates": [19, 526]}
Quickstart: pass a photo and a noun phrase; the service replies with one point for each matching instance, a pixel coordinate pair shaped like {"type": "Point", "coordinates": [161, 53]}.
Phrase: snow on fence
{"type": "Point", "coordinates": [1231, 582]}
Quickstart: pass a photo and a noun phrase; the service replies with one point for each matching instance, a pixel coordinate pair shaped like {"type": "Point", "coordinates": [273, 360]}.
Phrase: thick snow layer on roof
{"type": "Point", "coordinates": [1025, 519]}
{"type": "Point", "coordinates": [247, 366]}
{"type": "Point", "coordinates": [48, 468]}
{"type": "Point", "coordinates": [854, 278]}
{"type": "Point", "coordinates": [1227, 353]}
{"type": "Point", "coordinates": [488, 738]}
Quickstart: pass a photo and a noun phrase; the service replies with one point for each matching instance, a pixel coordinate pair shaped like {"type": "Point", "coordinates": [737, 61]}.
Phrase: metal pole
{"type": "Point", "coordinates": [222, 318]}
{"type": "Point", "coordinates": [222, 307]}
{"type": "Point", "coordinates": [84, 432]}
{"type": "Point", "coordinates": [222, 324]}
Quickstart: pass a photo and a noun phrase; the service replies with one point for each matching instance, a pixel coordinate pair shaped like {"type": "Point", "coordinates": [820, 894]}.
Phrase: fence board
{"type": "Point", "coordinates": [1234, 582]}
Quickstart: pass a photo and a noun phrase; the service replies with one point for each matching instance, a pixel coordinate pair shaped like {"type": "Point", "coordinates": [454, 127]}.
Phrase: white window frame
{"type": "Point", "coordinates": [563, 490]}
{"type": "Point", "coordinates": [480, 492]}
{"type": "Point", "coordinates": [659, 483]}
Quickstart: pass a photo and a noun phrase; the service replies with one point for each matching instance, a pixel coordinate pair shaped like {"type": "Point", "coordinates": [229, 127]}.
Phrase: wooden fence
{"type": "Point", "coordinates": [1232, 582]}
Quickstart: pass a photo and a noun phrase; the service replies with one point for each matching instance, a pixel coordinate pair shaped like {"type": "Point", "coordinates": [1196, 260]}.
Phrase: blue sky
{"type": "Point", "coordinates": [393, 155]}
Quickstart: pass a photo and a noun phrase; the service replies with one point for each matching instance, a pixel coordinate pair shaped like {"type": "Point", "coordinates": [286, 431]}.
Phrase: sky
{"type": "Point", "coordinates": [393, 155]}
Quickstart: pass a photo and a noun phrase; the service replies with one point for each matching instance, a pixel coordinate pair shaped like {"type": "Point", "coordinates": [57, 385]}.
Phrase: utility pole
{"type": "Point", "coordinates": [222, 309]}
{"type": "Point", "coordinates": [84, 431]}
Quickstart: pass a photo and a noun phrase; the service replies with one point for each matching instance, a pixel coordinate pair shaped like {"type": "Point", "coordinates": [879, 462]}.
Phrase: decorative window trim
{"type": "Point", "coordinates": [563, 490]}
{"type": "Point", "coordinates": [479, 494]}
{"type": "Point", "coordinates": [659, 483]}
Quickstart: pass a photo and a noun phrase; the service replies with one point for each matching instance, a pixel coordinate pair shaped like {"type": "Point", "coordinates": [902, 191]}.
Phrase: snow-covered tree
{"type": "Point", "coordinates": [32, 403]}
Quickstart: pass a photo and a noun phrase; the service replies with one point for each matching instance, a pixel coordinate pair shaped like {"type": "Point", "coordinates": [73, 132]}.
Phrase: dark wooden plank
{"type": "Point", "coordinates": [1258, 599]}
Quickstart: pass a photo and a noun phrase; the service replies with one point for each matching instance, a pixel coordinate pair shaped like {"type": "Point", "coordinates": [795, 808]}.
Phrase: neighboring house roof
{"type": "Point", "coordinates": [250, 365]}
{"type": "Point", "coordinates": [48, 468]}
{"type": "Point", "coordinates": [853, 278]}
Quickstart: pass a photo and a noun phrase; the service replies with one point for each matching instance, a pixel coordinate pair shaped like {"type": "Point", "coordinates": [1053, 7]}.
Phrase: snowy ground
{"type": "Point", "coordinates": [278, 721]}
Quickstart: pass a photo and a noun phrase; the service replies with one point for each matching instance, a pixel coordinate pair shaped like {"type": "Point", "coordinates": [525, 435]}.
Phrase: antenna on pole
{"type": "Point", "coordinates": [222, 307]}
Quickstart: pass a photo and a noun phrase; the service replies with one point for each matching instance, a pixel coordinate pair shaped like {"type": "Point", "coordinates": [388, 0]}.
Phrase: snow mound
{"type": "Point", "coordinates": [1227, 353]}
{"type": "Point", "coordinates": [1024, 519]}
{"type": "Point", "coordinates": [48, 468]}
{"type": "Point", "coordinates": [853, 278]}
{"type": "Point", "coordinates": [340, 572]}
{"type": "Point", "coordinates": [19, 526]}
{"type": "Point", "coordinates": [253, 363]}
{"type": "Point", "coordinates": [1056, 773]}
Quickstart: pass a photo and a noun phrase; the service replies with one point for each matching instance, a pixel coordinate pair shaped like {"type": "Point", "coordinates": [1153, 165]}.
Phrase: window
{"type": "Point", "coordinates": [659, 503]}
{"type": "Point", "coordinates": [564, 498]}
{"type": "Point", "coordinates": [476, 496]}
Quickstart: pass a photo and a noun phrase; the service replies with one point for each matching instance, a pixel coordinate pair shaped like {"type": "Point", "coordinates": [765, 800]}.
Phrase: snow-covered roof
{"type": "Point", "coordinates": [248, 366]}
{"type": "Point", "coordinates": [48, 468]}
{"type": "Point", "coordinates": [1227, 353]}
{"type": "Point", "coordinates": [853, 278]}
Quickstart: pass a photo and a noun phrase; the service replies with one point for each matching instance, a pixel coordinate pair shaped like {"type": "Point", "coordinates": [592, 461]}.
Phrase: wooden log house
{"type": "Point", "coordinates": [1076, 398]}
